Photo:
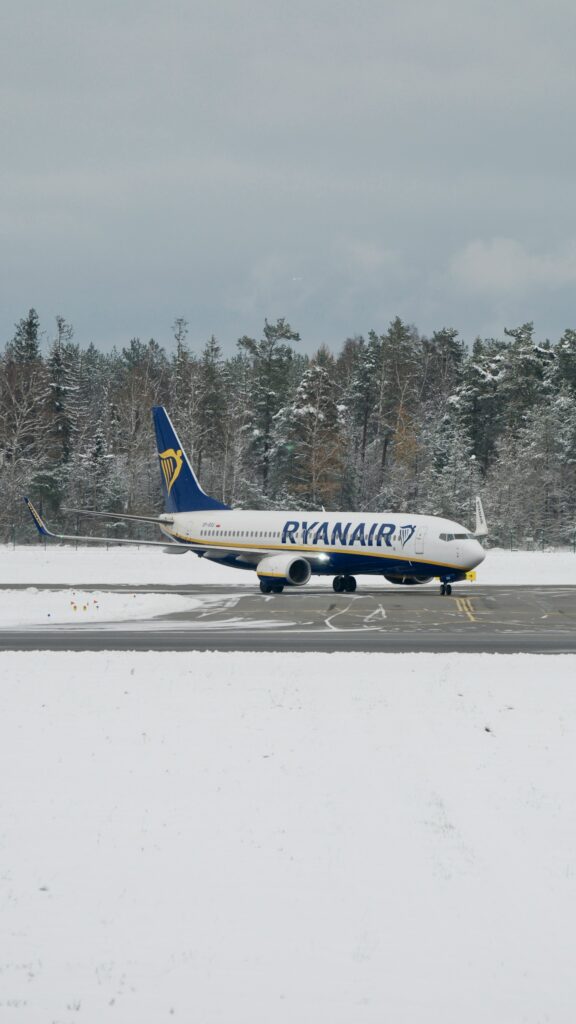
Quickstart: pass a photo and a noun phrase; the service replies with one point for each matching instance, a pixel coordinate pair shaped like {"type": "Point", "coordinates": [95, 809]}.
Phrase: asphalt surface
{"type": "Point", "coordinates": [474, 619]}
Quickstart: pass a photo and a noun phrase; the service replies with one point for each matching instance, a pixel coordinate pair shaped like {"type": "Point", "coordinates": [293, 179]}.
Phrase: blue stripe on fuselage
{"type": "Point", "coordinates": [349, 563]}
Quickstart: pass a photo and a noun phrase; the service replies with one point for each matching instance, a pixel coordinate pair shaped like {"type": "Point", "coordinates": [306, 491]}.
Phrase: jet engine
{"type": "Point", "coordinates": [285, 568]}
{"type": "Point", "coordinates": [408, 581]}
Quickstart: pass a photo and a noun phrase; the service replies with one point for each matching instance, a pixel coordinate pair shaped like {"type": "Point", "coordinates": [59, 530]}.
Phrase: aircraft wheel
{"type": "Point", "coordinates": [265, 587]}
{"type": "Point", "coordinates": [338, 584]}
{"type": "Point", "coordinates": [442, 589]}
{"type": "Point", "coordinates": [277, 588]}
{"type": "Point", "coordinates": [448, 589]}
{"type": "Point", "coordinates": [349, 584]}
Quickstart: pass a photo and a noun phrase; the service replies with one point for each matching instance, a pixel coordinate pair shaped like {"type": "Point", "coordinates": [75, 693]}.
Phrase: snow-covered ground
{"type": "Point", "coordinates": [48, 607]}
{"type": "Point", "coordinates": [59, 564]}
{"type": "Point", "coordinates": [255, 837]}
{"type": "Point", "coordinates": [258, 838]}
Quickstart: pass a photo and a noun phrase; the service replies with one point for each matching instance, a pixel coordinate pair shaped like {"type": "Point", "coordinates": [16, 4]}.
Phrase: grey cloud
{"type": "Point", "coordinates": [333, 164]}
{"type": "Point", "coordinates": [502, 265]}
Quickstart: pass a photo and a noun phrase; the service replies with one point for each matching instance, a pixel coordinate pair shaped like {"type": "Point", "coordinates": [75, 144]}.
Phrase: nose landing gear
{"type": "Point", "coordinates": [445, 589]}
{"type": "Point", "coordinates": [344, 584]}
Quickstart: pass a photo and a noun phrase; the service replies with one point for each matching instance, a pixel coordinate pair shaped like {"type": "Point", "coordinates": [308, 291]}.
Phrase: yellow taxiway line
{"type": "Point", "coordinates": [464, 605]}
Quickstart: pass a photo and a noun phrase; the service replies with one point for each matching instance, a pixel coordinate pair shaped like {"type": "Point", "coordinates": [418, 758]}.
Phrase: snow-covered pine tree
{"type": "Point", "coordinates": [310, 433]}
{"type": "Point", "coordinates": [270, 363]}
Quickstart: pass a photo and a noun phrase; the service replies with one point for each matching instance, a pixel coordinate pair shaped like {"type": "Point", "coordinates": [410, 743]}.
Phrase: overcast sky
{"type": "Point", "coordinates": [334, 163]}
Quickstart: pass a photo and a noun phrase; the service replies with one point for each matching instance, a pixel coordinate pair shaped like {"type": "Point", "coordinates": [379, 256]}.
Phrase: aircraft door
{"type": "Point", "coordinates": [419, 540]}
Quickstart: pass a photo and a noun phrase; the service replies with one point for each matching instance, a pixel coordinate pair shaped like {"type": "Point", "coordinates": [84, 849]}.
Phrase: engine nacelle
{"type": "Point", "coordinates": [288, 568]}
{"type": "Point", "coordinates": [408, 581]}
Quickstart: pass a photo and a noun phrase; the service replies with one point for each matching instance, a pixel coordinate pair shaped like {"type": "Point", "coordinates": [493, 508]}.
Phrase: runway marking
{"type": "Point", "coordinates": [342, 611]}
{"type": "Point", "coordinates": [378, 612]}
{"type": "Point", "coordinates": [464, 605]}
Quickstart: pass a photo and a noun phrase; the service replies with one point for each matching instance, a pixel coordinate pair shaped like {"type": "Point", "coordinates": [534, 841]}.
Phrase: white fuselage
{"type": "Point", "coordinates": [333, 542]}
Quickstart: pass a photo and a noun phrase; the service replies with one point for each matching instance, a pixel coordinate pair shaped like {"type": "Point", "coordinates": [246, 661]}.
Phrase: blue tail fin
{"type": "Point", "coordinates": [182, 492]}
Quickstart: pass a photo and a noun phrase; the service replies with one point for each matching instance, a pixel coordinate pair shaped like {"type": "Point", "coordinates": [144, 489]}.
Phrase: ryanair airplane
{"type": "Point", "coordinates": [287, 548]}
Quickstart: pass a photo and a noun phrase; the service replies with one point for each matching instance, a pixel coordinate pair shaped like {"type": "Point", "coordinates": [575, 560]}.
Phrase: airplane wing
{"type": "Point", "coordinates": [45, 532]}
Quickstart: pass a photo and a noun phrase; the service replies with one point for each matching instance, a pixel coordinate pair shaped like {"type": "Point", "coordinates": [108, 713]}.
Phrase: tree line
{"type": "Point", "coordinates": [394, 420]}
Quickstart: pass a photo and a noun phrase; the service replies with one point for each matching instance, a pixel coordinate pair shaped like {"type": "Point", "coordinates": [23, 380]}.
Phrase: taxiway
{"type": "Point", "coordinates": [227, 618]}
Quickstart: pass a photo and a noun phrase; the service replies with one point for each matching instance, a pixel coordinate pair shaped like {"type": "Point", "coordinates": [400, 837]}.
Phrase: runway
{"type": "Point", "coordinates": [227, 618]}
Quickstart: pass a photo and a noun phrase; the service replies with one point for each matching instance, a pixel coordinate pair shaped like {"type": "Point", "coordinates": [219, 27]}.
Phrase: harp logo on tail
{"type": "Point", "coordinates": [171, 462]}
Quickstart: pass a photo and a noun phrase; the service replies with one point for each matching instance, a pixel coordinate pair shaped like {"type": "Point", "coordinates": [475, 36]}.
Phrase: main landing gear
{"type": "Point", "coordinates": [267, 587]}
{"type": "Point", "coordinates": [445, 589]}
{"type": "Point", "coordinates": [344, 584]}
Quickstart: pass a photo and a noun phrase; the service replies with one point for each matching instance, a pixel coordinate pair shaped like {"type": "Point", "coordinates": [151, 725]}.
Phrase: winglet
{"type": "Point", "coordinates": [39, 522]}
{"type": "Point", "coordinates": [481, 525]}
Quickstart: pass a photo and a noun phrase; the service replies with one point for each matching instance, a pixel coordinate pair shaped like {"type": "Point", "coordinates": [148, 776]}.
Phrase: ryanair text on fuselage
{"type": "Point", "coordinates": [345, 534]}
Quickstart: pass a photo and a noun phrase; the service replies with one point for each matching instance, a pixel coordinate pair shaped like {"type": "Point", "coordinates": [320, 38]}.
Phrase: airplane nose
{"type": "Point", "coordinates": [479, 552]}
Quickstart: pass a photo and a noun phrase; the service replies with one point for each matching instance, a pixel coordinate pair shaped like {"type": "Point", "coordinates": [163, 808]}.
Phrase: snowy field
{"type": "Point", "coordinates": [59, 564]}
{"type": "Point", "coordinates": [251, 838]}
{"type": "Point", "coordinates": [33, 607]}
{"type": "Point", "coordinates": [56, 607]}
{"type": "Point", "coordinates": [255, 838]}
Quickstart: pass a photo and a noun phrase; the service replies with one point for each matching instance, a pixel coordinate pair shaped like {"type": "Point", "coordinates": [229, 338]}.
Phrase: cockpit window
{"type": "Point", "coordinates": [456, 536]}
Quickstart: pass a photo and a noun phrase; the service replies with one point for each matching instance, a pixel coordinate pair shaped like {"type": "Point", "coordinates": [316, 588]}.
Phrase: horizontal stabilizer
{"type": "Point", "coordinates": [159, 520]}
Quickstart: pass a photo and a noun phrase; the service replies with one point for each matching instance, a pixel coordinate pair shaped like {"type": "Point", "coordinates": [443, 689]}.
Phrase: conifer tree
{"type": "Point", "coordinates": [270, 360]}
{"type": "Point", "coordinates": [25, 345]}
{"type": "Point", "coordinates": [313, 425]}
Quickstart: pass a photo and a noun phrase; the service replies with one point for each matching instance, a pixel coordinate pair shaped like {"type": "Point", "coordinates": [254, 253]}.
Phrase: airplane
{"type": "Point", "coordinates": [288, 548]}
